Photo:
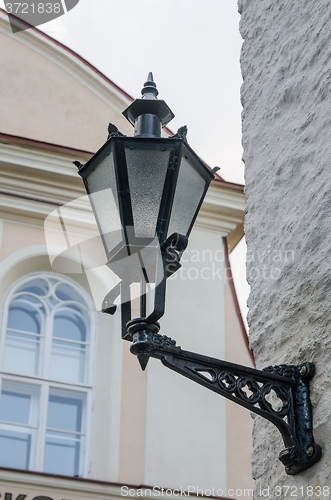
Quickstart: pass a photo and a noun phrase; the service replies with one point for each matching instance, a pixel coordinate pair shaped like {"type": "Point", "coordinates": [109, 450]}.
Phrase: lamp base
{"type": "Point", "coordinates": [142, 334]}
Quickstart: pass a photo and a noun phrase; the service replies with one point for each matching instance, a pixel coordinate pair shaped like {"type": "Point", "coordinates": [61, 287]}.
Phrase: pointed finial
{"type": "Point", "coordinates": [148, 114]}
{"type": "Point", "coordinates": [143, 358]}
{"type": "Point", "coordinates": [149, 90]}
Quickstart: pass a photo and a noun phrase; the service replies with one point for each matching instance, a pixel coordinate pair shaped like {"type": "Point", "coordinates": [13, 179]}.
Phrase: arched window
{"type": "Point", "coordinates": [47, 340]}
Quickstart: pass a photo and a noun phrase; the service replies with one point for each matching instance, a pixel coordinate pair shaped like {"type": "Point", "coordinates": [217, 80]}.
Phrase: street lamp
{"type": "Point", "coordinates": [146, 192]}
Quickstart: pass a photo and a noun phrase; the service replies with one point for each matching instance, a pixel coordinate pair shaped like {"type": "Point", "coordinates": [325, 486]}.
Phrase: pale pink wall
{"type": "Point", "coordinates": [40, 100]}
{"type": "Point", "coordinates": [18, 236]}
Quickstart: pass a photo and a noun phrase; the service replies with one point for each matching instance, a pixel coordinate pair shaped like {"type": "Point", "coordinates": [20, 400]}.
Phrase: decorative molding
{"type": "Point", "coordinates": [216, 222]}
{"type": "Point", "coordinates": [26, 156]}
{"type": "Point", "coordinates": [51, 179]}
{"type": "Point", "coordinates": [226, 197]}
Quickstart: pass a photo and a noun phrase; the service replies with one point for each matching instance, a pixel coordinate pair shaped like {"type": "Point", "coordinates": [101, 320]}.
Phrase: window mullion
{"type": "Point", "coordinates": [42, 427]}
{"type": "Point", "coordinates": [87, 425]}
{"type": "Point", "coordinates": [48, 346]}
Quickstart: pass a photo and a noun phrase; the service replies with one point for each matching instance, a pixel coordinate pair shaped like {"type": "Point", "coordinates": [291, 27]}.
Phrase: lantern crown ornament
{"type": "Point", "coordinates": [146, 192]}
{"type": "Point", "coordinates": [148, 115]}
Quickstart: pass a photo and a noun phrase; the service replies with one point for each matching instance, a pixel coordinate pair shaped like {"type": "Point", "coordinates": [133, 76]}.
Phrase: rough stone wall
{"type": "Point", "coordinates": [286, 97]}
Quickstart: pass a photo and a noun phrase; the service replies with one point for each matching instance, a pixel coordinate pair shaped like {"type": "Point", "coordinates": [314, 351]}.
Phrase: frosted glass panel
{"type": "Point", "coordinates": [147, 171]}
{"type": "Point", "coordinates": [103, 196]}
{"type": "Point", "coordinates": [190, 188]}
{"type": "Point", "coordinates": [15, 449]}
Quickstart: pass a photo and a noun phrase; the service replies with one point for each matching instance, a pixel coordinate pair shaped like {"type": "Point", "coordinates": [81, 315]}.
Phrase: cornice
{"type": "Point", "coordinates": [223, 212]}
{"type": "Point", "coordinates": [35, 181]}
{"type": "Point", "coordinates": [38, 159]}
{"type": "Point", "coordinates": [217, 222]}
{"type": "Point", "coordinates": [226, 197]}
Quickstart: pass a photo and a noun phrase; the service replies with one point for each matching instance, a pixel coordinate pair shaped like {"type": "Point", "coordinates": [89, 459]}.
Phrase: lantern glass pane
{"type": "Point", "coordinates": [147, 172]}
{"type": "Point", "coordinates": [103, 197]}
{"type": "Point", "coordinates": [189, 190]}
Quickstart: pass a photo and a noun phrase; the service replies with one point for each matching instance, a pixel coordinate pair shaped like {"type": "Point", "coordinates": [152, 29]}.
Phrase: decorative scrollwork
{"type": "Point", "coordinates": [227, 381]}
{"type": "Point", "coordinates": [281, 393]}
{"type": "Point", "coordinates": [288, 406]}
{"type": "Point", "coordinates": [253, 386]}
{"type": "Point", "coordinates": [258, 393]}
{"type": "Point", "coordinates": [212, 375]}
{"type": "Point", "coordinates": [282, 370]}
{"type": "Point", "coordinates": [163, 341]}
{"type": "Point", "coordinates": [172, 249]}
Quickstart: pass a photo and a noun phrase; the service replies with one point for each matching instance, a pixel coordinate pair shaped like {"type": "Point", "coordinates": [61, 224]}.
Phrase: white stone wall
{"type": "Point", "coordinates": [286, 96]}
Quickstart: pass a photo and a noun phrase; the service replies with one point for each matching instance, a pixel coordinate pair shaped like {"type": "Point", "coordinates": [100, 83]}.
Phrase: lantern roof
{"type": "Point", "coordinates": [149, 104]}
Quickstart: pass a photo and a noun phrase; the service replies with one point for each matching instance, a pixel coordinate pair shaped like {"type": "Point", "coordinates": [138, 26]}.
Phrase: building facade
{"type": "Point", "coordinates": [78, 417]}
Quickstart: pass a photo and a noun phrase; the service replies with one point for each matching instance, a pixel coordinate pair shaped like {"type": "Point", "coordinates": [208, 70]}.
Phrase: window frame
{"type": "Point", "coordinates": [43, 381]}
{"type": "Point", "coordinates": [34, 391]}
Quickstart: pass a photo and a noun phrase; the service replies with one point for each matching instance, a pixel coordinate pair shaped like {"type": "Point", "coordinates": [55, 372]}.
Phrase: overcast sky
{"type": "Point", "coordinates": [193, 49]}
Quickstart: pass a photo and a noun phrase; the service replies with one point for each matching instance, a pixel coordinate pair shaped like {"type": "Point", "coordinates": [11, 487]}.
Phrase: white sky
{"type": "Point", "coordinates": [193, 49]}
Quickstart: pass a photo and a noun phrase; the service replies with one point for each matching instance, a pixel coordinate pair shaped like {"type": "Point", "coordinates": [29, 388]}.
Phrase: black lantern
{"type": "Point", "coordinates": [157, 184]}
{"type": "Point", "coordinates": [146, 192]}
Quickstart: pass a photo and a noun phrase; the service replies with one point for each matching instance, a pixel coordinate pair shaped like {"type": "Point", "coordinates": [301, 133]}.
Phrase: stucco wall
{"type": "Point", "coordinates": [239, 421]}
{"type": "Point", "coordinates": [286, 62]}
{"type": "Point", "coordinates": [36, 106]}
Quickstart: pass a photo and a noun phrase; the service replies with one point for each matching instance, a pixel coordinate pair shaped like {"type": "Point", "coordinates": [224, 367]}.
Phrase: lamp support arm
{"type": "Point", "coordinates": [278, 393]}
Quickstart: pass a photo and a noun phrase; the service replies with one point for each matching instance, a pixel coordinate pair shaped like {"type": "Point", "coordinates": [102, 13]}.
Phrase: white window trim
{"type": "Point", "coordinates": [34, 391]}
{"type": "Point", "coordinates": [44, 382]}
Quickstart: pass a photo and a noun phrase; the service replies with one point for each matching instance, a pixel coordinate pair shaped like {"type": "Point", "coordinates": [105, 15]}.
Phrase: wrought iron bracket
{"type": "Point", "coordinates": [253, 389]}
